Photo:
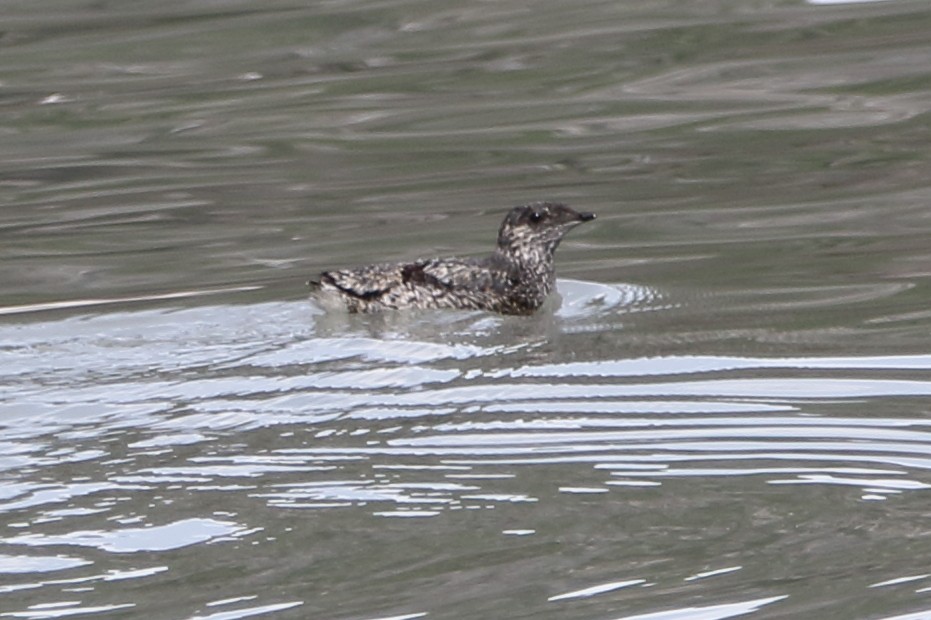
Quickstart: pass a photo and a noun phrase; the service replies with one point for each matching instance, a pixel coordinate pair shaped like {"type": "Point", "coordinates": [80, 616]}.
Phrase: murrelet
{"type": "Point", "coordinates": [515, 279]}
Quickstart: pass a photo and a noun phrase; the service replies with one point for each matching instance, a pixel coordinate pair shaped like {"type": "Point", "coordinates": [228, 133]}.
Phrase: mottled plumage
{"type": "Point", "coordinates": [515, 279]}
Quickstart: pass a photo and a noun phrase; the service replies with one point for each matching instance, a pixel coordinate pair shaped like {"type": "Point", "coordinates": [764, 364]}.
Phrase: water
{"type": "Point", "coordinates": [724, 414]}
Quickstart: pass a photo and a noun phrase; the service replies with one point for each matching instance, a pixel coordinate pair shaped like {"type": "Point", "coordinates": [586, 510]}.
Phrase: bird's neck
{"type": "Point", "coordinates": [530, 264]}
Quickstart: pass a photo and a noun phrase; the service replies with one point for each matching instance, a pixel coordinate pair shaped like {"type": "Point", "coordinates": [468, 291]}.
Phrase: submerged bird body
{"type": "Point", "coordinates": [515, 279]}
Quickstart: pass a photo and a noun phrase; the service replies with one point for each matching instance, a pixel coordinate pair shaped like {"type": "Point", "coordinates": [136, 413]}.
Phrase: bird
{"type": "Point", "coordinates": [515, 279]}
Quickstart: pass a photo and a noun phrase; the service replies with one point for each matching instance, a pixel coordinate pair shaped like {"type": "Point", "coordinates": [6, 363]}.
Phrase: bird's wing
{"type": "Point", "coordinates": [444, 274]}
{"type": "Point", "coordinates": [365, 282]}
{"type": "Point", "coordinates": [470, 274]}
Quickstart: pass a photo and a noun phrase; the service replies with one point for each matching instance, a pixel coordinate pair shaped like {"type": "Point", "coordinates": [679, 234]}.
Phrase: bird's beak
{"type": "Point", "coordinates": [586, 216]}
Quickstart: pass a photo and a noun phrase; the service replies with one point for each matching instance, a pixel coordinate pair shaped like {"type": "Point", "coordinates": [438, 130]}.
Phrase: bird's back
{"type": "Point", "coordinates": [435, 283]}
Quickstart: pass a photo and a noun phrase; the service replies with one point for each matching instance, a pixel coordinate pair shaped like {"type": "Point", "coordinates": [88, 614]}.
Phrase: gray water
{"type": "Point", "coordinates": [724, 413]}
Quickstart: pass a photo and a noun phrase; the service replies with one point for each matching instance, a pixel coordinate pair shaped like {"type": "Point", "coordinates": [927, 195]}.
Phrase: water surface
{"type": "Point", "coordinates": [724, 413]}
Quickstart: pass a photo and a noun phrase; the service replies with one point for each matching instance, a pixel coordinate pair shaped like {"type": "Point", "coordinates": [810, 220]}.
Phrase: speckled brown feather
{"type": "Point", "coordinates": [515, 279]}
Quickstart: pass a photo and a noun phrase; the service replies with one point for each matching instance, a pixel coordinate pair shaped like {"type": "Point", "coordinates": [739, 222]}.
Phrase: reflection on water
{"type": "Point", "coordinates": [740, 429]}
{"type": "Point", "coordinates": [190, 428]}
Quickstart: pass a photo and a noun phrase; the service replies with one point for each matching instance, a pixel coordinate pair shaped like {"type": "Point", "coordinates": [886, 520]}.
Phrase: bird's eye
{"type": "Point", "coordinates": [535, 217]}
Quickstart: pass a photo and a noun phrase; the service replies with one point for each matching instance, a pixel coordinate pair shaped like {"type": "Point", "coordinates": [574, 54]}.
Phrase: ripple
{"type": "Point", "coordinates": [589, 299]}
{"type": "Point", "coordinates": [370, 404]}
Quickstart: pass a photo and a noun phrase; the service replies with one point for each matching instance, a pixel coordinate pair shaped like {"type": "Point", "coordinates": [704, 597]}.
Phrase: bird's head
{"type": "Point", "coordinates": [538, 227]}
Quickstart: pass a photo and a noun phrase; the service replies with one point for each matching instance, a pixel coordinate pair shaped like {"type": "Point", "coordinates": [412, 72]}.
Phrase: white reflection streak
{"type": "Point", "coordinates": [834, 2]}
{"type": "Point", "coordinates": [251, 611]}
{"type": "Point", "coordinates": [36, 614]}
{"type": "Point", "coordinates": [404, 617]}
{"type": "Point", "coordinates": [918, 615]}
{"type": "Point", "coordinates": [600, 589]}
{"type": "Point", "coordinates": [12, 564]}
{"type": "Point", "coordinates": [713, 612]}
{"type": "Point", "coordinates": [756, 389]}
{"type": "Point", "coordinates": [689, 364]}
{"type": "Point", "coordinates": [102, 301]}
{"type": "Point", "coordinates": [713, 573]}
{"type": "Point", "coordinates": [898, 580]}
{"type": "Point", "coordinates": [765, 434]}
{"type": "Point", "coordinates": [885, 485]}
{"type": "Point", "coordinates": [131, 540]}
